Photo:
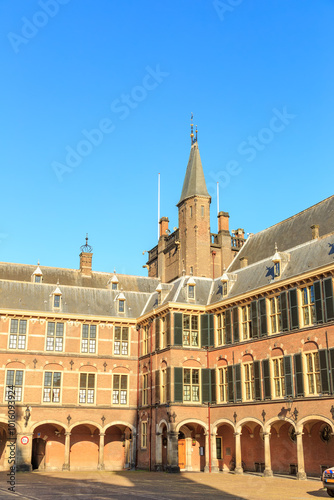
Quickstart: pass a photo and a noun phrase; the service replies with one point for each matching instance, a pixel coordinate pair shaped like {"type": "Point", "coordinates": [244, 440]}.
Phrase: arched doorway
{"type": "Point", "coordinates": [48, 447]}
{"type": "Point", "coordinates": [119, 447]}
{"type": "Point", "coordinates": [225, 447]}
{"type": "Point", "coordinates": [191, 446]}
{"type": "Point", "coordinates": [283, 447]}
{"type": "Point", "coordinates": [252, 447]}
{"type": "Point", "coordinates": [84, 453]}
{"type": "Point", "coordinates": [161, 447]}
{"type": "Point", "coordinates": [318, 445]}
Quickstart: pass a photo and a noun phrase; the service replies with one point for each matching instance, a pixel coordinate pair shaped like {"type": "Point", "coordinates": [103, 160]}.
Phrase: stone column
{"type": "Point", "coordinates": [206, 451]}
{"type": "Point", "coordinates": [267, 456]}
{"type": "Point", "coordinates": [189, 453]}
{"type": "Point", "coordinates": [23, 452]}
{"type": "Point", "coordinates": [300, 456]}
{"type": "Point", "coordinates": [66, 465]}
{"type": "Point", "coordinates": [100, 465]}
{"type": "Point", "coordinates": [158, 452]}
{"type": "Point", "coordinates": [238, 463]}
{"type": "Point", "coordinates": [172, 450]}
{"type": "Point", "coordinates": [133, 450]}
{"type": "Point", "coordinates": [214, 459]}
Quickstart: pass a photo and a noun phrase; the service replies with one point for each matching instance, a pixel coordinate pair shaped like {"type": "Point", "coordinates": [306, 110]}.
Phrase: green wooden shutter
{"type": "Point", "coordinates": [254, 319]}
{"type": "Point", "coordinates": [204, 330]}
{"type": "Point", "coordinates": [178, 321]}
{"type": "Point", "coordinates": [237, 382]}
{"type": "Point", "coordinates": [319, 315]}
{"type": "Point", "coordinates": [331, 358]}
{"type": "Point", "coordinates": [294, 320]}
{"type": "Point", "coordinates": [211, 330]}
{"type": "Point", "coordinates": [230, 384]}
{"type": "Point", "coordinates": [266, 379]}
{"type": "Point", "coordinates": [178, 384]}
{"type": "Point", "coordinates": [213, 386]}
{"type": "Point", "coordinates": [206, 385]}
{"type": "Point", "coordinates": [288, 376]}
{"type": "Point", "coordinates": [228, 331]}
{"type": "Point", "coordinates": [324, 371]}
{"type": "Point", "coordinates": [263, 317]}
{"type": "Point", "coordinates": [299, 380]}
{"type": "Point", "coordinates": [168, 382]}
{"type": "Point", "coordinates": [257, 380]}
{"type": "Point", "coordinates": [284, 312]}
{"type": "Point", "coordinates": [168, 333]}
{"type": "Point", "coordinates": [157, 386]}
{"type": "Point", "coordinates": [157, 334]}
{"type": "Point", "coordinates": [235, 324]}
{"type": "Point", "coordinates": [328, 293]}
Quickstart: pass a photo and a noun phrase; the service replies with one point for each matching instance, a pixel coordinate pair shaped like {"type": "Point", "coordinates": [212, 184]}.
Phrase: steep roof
{"type": "Point", "coordinates": [287, 234]}
{"type": "Point", "coordinates": [194, 181]}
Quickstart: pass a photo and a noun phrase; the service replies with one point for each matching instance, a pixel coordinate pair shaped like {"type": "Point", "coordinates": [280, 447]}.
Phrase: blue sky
{"type": "Point", "coordinates": [96, 99]}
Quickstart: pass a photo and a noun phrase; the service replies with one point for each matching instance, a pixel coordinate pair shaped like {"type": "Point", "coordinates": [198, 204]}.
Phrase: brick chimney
{"type": "Point", "coordinates": [86, 256]}
{"type": "Point", "coordinates": [243, 262]}
{"type": "Point", "coordinates": [315, 231]}
{"type": "Point", "coordinates": [163, 226]}
{"type": "Point", "coordinates": [223, 223]}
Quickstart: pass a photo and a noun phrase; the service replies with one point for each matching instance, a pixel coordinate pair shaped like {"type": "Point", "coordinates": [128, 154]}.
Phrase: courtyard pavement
{"type": "Point", "coordinates": [132, 485]}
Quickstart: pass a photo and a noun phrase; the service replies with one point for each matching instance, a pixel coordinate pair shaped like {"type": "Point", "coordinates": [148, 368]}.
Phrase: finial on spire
{"type": "Point", "coordinates": [86, 247]}
{"type": "Point", "coordinates": [196, 134]}
{"type": "Point", "coordinates": [192, 130]}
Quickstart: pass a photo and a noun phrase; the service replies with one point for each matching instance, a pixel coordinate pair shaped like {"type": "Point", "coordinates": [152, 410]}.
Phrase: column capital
{"type": "Point", "coordinates": [237, 433]}
{"type": "Point", "coordinates": [67, 433]}
{"type": "Point", "coordinates": [102, 434]}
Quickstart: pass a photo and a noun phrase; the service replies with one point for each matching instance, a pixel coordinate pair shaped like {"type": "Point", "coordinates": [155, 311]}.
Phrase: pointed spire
{"type": "Point", "coordinates": [194, 181]}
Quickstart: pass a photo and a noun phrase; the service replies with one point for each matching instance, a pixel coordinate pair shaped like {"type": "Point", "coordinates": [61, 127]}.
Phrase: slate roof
{"type": "Point", "coordinates": [288, 233]}
{"type": "Point", "coordinates": [73, 277]}
{"type": "Point", "coordinates": [194, 181]}
{"type": "Point", "coordinates": [306, 257]}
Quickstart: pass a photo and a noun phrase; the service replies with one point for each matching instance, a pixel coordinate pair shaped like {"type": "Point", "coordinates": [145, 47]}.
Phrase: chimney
{"type": "Point", "coordinates": [315, 231]}
{"type": "Point", "coordinates": [86, 256]}
{"type": "Point", "coordinates": [223, 224]}
{"type": "Point", "coordinates": [243, 262]}
{"type": "Point", "coordinates": [164, 226]}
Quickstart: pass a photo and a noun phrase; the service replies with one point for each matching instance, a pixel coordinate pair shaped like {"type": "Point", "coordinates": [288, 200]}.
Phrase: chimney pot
{"type": "Point", "coordinates": [243, 262]}
{"type": "Point", "coordinates": [223, 221]}
{"type": "Point", "coordinates": [163, 226]}
{"type": "Point", "coordinates": [315, 231]}
{"type": "Point", "coordinates": [86, 263]}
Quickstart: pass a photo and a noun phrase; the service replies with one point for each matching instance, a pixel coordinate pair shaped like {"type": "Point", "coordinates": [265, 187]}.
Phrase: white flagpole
{"type": "Point", "coordinates": [158, 205]}
{"type": "Point", "coordinates": [217, 204]}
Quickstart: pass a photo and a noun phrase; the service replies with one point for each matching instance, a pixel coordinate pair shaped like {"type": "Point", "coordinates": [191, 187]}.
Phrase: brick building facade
{"type": "Point", "coordinates": [221, 359]}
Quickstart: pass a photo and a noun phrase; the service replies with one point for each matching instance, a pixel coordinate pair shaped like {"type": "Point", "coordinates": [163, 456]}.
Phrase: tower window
{"type": "Point", "coordinates": [191, 211]}
{"type": "Point", "coordinates": [202, 210]}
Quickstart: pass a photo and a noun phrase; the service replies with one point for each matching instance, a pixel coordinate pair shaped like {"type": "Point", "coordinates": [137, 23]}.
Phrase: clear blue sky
{"type": "Point", "coordinates": [258, 76]}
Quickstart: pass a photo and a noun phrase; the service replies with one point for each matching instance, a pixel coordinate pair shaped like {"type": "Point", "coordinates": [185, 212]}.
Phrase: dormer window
{"type": "Point", "coordinates": [224, 280]}
{"type": "Point", "coordinates": [37, 275]}
{"type": "Point", "coordinates": [191, 284]}
{"type": "Point", "coordinates": [56, 298]}
{"type": "Point", "coordinates": [114, 282]}
{"type": "Point", "coordinates": [121, 302]}
{"type": "Point", "coordinates": [277, 262]}
{"type": "Point", "coordinates": [56, 301]}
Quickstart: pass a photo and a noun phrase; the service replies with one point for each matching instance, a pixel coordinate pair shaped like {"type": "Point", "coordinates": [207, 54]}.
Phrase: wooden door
{"type": "Point", "coordinates": [182, 453]}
